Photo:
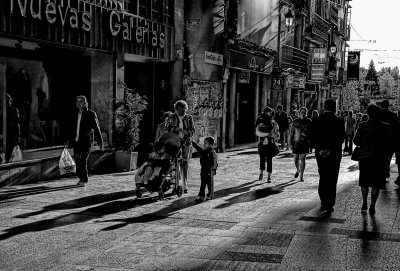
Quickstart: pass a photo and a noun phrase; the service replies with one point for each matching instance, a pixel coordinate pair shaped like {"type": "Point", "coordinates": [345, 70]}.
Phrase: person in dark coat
{"type": "Point", "coordinates": [13, 129]}
{"type": "Point", "coordinates": [390, 118]}
{"type": "Point", "coordinates": [281, 119]}
{"type": "Point", "coordinates": [375, 141]}
{"type": "Point", "coordinates": [268, 132]}
{"type": "Point", "coordinates": [327, 136]}
{"type": "Point", "coordinates": [85, 123]}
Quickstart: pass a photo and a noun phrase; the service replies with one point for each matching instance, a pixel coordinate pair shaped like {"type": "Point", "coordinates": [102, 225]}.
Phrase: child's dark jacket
{"type": "Point", "coordinates": [208, 158]}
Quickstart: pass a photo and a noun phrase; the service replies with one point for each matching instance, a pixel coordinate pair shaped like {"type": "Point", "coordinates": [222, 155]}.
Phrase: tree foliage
{"type": "Point", "coordinates": [351, 99]}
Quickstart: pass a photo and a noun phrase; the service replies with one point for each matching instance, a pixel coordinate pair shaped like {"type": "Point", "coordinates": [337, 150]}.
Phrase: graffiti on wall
{"type": "Point", "coordinates": [205, 101]}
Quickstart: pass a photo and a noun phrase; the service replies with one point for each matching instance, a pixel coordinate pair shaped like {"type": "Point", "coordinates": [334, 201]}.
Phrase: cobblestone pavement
{"type": "Point", "coordinates": [250, 225]}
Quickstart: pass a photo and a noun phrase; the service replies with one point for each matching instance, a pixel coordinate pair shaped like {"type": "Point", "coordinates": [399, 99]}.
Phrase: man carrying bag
{"type": "Point", "coordinates": [84, 124]}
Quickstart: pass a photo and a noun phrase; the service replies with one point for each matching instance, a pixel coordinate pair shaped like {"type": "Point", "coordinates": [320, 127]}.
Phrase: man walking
{"type": "Point", "coordinates": [85, 124]}
{"type": "Point", "coordinates": [327, 136]}
{"type": "Point", "coordinates": [390, 118]}
{"type": "Point", "coordinates": [281, 119]}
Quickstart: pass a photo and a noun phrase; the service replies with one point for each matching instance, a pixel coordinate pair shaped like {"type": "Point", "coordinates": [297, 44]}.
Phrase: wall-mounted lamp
{"type": "Point", "coordinates": [289, 18]}
{"type": "Point", "coordinates": [333, 47]}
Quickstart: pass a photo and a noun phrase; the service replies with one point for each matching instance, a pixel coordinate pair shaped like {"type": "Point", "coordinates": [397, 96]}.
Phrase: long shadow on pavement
{"type": "Point", "coordinates": [255, 194]}
{"type": "Point", "coordinates": [184, 203]}
{"type": "Point", "coordinates": [79, 217]}
{"type": "Point", "coordinates": [11, 194]}
{"type": "Point", "coordinates": [80, 202]}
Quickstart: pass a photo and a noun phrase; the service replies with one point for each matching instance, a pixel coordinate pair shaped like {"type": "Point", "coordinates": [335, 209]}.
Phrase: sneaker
{"type": "Point", "coordinates": [301, 180]}
{"type": "Point", "coordinates": [260, 177]}
{"type": "Point", "coordinates": [199, 199]}
{"type": "Point", "coordinates": [81, 184]}
{"type": "Point", "coordinates": [185, 191]}
{"type": "Point", "coordinates": [269, 180]}
{"type": "Point", "coordinates": [209, 197]}
{"type": "Point", "coordinates": [296, 175]}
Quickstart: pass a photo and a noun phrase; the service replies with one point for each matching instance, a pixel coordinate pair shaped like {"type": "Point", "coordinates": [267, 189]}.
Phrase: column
{"type": "Point", "coordinates": [232, 106]}
{"type": "Point", "coordinates": [257, 96]}
{"type": "Point", "coordinates": [288, 99]}
{"type": "Point", "coordinates": [224, 111]}
{"type": "Point", "coordinates": [264, 91]}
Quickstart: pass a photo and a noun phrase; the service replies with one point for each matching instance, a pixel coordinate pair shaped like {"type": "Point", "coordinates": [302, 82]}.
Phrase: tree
{"type": "Point", "coordinates": [371, 74]}
{"type": "Point", "coordinates": [351, 100]}
{"type": "Point", "coordinates": [387, 85]}
{"type": "Point", "coordinates": [395, 73]}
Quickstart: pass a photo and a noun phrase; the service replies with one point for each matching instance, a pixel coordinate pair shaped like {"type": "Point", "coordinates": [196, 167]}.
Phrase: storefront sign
{"type": "Point", "coordinates": [124, 25]}
{"type": "Point", "coordinates": [295, 81]}
{"type": "Point", "coordinates": [277, 83]}
{"type": "Point", "coordinates": [317, 72]}
{"type": "Point", "coordinates": [250, 62]}
{"type": "Point", "coordinates": [244, 77]}
{"type": "Point", "coordinates": [319, 56]}
{"type": "Point", "coordinates": [213, 58]}
{"type": "Point", "coordinates": [52, 13]}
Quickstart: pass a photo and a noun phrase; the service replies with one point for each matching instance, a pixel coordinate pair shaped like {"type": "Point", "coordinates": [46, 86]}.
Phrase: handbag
{"type": "Point", "coordinates": [273, 149]}
{"type": "Point", "coordinates": [355, 156]}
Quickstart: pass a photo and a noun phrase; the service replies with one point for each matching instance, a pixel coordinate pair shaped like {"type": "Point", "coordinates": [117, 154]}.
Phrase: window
{"type": "Point", "coordinates": [131, 6]}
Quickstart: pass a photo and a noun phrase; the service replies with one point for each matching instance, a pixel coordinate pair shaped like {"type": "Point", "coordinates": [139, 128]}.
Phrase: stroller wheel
{"type": "Point", "coordinates": [179, 191]}
{"type": "Point", "coordinates": [138, 193]}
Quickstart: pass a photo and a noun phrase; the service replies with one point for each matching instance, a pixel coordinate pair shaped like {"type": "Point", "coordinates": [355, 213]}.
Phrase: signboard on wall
{"type": "Point", "coordinates": [250, 62]}
{"type": "Point", "coordinates": [243, 77]}
{"type": "Point", "coordinates": [205, 102]}
{"type": "Point", "coordinates": [319, 55]}
{"type": "Point", "coordinates": [317, 72]}
{"type": "Point", "coordinates": [277, 82]}
{"type": "Point", "coordinates": [213, 58]}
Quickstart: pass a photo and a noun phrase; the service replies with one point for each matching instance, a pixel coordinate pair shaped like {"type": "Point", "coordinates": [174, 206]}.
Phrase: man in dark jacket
{"type": "Point", "coordinates": [390, 118]}
{"type": "Point", "coordinates": [327, 136]}
{"type": "Point", "coordinates": [281, 119]}
{"type": "Point", "coordinates": [85, 124]}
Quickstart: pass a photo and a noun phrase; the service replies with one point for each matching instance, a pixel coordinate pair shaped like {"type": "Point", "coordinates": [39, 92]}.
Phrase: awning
{"type": "Point", "coordinates": [247, 62]}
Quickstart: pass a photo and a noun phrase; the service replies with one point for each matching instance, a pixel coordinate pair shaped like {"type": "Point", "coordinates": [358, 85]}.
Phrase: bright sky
{"type": "Point", "coordinates": [379, 21]}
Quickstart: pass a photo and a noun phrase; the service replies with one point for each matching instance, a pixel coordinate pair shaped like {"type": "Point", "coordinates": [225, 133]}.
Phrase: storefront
{"type": "Point", "coordinates": [52, 51]}
{"type": "Point", "coordinates": [248, 93]}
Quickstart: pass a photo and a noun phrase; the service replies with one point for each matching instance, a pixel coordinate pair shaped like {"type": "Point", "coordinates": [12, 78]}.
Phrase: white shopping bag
{"type": "Point", "coordinates": [66, 163]}
{"type": "Point", "coordinates": [16, 155]}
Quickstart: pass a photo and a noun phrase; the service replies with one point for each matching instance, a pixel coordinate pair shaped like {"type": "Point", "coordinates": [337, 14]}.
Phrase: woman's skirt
{"type": "Point", "coordinates": [300, 147]}
{"type": "Point", "coordinates": [372, 173]}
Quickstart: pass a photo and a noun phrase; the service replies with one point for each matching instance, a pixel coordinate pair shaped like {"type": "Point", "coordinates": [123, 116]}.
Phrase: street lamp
{"type": "Point", "coordinates": [289, 18]}
{"type": "Point", "coordinates": [333, 47]}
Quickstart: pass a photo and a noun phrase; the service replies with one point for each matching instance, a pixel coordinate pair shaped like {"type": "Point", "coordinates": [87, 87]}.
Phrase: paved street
{"type": "Point", "coordinates": [250, 225]}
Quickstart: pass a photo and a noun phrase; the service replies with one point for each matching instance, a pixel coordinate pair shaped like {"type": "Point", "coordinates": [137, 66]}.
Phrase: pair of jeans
{"type": "Point", "coordinates": [264, 157]}
{"type": "Point", "coordinates": [81, 157]}
{"type": "Point", "coordinates": [328, 169]}
{"type": "Point", "coordinates": [207, 179]}
{"type": "Point", "coordinates": [348, 142]}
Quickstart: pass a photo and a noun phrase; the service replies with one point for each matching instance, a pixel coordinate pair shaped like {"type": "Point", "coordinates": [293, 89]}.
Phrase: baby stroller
{"type": "Point", "coordinates": [160, 171]}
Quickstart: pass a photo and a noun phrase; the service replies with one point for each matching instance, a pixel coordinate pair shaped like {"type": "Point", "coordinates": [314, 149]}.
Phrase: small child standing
{"type": "Point", "coordinates": [209, 164]}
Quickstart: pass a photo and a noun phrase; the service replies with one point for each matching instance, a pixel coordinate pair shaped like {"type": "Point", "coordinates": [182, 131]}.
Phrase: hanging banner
{"type": "Point", "coordinates": [353, 66]}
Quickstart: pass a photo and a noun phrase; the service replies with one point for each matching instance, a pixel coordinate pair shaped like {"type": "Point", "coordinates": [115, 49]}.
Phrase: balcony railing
{"type": "Point", "coordinates": [320, 27]}
{"type": "Point", "coordinates": [294, 58]}
{"type": "Point", "coordinates": [347, 34]}
{"type": "Point", "coordinates": [342, 26]}
{"type": "Point", "coordinates": [334, 14]}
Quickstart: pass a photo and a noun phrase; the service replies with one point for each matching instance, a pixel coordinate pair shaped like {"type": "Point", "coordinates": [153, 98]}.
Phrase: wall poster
{"type": "Point", "coordinates": [205, 101]}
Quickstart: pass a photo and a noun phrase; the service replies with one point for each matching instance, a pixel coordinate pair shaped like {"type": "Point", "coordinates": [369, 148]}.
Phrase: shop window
{"type": "Point", "coordinates": [131, 6]}
{"type": "Point", "coordinates": [144, 8]}
{"type": "Point", "coordinates": [168, 12]}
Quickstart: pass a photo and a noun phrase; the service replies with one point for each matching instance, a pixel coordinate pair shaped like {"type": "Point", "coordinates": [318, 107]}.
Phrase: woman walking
{"type": "Point", "coordinates": [182, 124]}
{"type": "Point", "coordinates": [268, 132]}
{"type": "Point", "coordinates": [374, 141]}
{"type": "Point", "coordinates": [300, 140]}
